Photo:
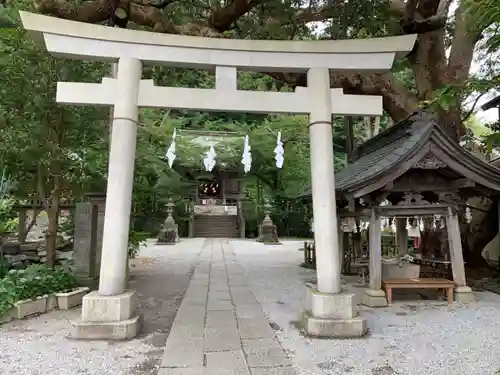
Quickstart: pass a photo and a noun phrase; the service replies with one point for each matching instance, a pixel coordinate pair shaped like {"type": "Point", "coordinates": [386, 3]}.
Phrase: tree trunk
{"type": "Point", "coordinates": [53, 215]}
{"type": "Point", "coordinates": [479, 232]}
{"type": "Point", "coordinates": [22, 238]}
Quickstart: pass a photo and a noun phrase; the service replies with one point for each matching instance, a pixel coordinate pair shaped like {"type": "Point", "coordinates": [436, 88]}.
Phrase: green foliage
{"type": "Point", "coordinates": [42, 139]}
{"type": "Point", "coordinates": [4, 268]}
{"type": "Point", "coordinates": [485, 14]}
{"type": "Point", "coordinates": [32, 282]}
{"type": "Point", "coordinates": [135, 241]}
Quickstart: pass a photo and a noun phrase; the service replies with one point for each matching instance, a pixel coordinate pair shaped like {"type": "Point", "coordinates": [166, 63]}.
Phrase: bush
{"type": "Point", "coordinates": [4, 268]}
{"type": "Point", "coordinates": [32, 282]}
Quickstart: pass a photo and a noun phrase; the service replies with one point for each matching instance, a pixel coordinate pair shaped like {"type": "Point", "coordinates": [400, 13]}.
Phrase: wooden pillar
{"type": "Point", "coordinates": [375, 296]}
{"type": "Point", "coordinates": [349, 136]}
{"type": "Point", "coordinates": [401, 236]}
{"type": "Point", "coordinates": [463, 293]}
{"type": "Point", "coordinates": [341, 242]}
{"type": "Point", "coordinates": [498, 212]}
{"type": "Point", "coordinates": [223, 188]}
{"type": "Point", "coordinates": [455, 243]}
{"type": "Point", "coordinates": [375, 246]}
{"type": "Point", "coordinates": [241, 218]}
{"type": "Point", "coordinates": [21, 236]}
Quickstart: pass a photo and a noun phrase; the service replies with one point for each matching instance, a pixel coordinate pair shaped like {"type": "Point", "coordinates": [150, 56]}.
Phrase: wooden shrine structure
{"type": "Point", "coordinates": [413, 169]}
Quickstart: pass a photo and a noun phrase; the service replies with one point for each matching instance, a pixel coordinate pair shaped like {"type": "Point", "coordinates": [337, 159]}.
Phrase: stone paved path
{"type": "Point", "coordinates": [220, 327]}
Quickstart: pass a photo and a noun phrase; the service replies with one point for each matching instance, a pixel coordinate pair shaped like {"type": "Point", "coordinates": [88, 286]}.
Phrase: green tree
{"type": "Point", "coordinates": [49, 149]}
{"type": "Point", "coordinates": [437, 71]}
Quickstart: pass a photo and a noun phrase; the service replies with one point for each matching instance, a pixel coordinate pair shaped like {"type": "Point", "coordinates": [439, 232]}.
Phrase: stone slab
{"type": "Point", "coordinates": [181, 371]}
{"type": "Point", "coordinates": [333, 328]}
{"type": "Point", "coordinates": [183, 352]}
{"type": "Point", "coordinates": [273, 371]}
{"type": "Point", "coordinates": [121, 330]}
{"type": "Point", "coordinates": [226, 363]}
{"type": "Point", "coordinates": [217, 339]}
{"type": "Point", "coordinates": [220, 305]}
{"type": "Point", "coordinates": [266, 352]}
{"type": "Point", "coordinates": [220, 319]}
{"type": "Point", "coordinates": [98, 308]}
{"type": "Point", "coordinates": [250, 311]}
{"type": "Point", "coordinates": [254, 328]}
{"type": "Point", "coordinates": [187, 330]}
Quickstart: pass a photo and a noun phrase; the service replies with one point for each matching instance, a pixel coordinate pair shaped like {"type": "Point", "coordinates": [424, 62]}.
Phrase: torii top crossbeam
{"type": "Point", "coordinates": [72, 39]}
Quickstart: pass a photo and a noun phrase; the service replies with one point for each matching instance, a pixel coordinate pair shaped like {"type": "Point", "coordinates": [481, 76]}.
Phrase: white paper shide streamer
{"type": "Point", "coordinates": [209, 159]}
{"type": "Point", "coordinates": [279, 152]}
{"type": "Point", "coordinates": [171, 150]}
{"type": "Point", "coordinates": [246, 159]}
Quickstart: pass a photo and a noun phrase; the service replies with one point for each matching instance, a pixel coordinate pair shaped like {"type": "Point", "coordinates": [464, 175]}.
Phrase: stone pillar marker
{"type": "Point", "coordinates": [328, 311]}
{"type": "Point", "coordinates": [89, 223]}
{"type": "Point", "coordinates": [169, 234]}
{"type": "Point", "coordinates": [268, 233]}
{"type": "Point", "coordinates": [109, 313]}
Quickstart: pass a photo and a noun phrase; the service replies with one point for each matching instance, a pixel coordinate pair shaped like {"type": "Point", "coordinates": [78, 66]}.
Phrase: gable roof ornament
{"type": "Point", "coordinates": [429, 161]}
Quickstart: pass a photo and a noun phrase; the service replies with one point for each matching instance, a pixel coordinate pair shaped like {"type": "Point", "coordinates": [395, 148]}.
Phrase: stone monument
{"type": "Point", "coordinates": [169, 234]}
{"type": "Point", "coordinates": [89, 227]}
{"type": "Point", "coordinates": [267, 230]}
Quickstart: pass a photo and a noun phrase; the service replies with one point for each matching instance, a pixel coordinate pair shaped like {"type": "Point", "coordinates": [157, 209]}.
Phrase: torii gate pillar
{"type": "Point", "coordinates": [109, 313]}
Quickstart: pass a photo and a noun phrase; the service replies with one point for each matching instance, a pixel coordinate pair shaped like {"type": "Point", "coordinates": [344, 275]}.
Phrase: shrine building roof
{"type": "Point", "coordinates": [418, 142]}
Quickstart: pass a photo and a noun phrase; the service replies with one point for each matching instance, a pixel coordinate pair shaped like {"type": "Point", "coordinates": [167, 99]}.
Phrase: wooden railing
{"type": "Point", "coordinates": [309, 254]}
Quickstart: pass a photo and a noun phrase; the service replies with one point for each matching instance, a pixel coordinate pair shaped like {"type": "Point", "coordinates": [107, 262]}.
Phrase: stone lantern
{"type": "Point", "coordinates": [169, 234]}
{"type": "Point", "coordinates": [267, 230]}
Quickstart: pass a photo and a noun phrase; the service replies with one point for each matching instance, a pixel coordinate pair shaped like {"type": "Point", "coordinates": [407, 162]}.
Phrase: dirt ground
{"type": "Point", "coordinates": [160, 275]}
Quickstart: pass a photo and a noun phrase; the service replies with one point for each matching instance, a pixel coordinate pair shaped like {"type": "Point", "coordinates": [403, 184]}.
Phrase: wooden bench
{"type": "Point", "coordinates": [446, 285]}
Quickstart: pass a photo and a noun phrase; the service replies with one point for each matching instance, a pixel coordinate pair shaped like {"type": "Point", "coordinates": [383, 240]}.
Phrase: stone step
{"type": "Point", "coordinates": [212, 226]}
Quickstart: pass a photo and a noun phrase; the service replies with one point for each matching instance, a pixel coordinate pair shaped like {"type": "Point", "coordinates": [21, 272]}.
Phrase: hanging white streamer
{"type": "Point", "coordinates": [171, 150]}
{"type": "Point", "coordinates": [209, 159]}
{"type": "Point", "coordinates": [279, 152]}
{"type": "Point", "coordinates": [246, 158]}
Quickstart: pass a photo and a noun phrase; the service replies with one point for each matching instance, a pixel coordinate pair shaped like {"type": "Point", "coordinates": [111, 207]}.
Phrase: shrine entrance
{"type": "Point", "coordinates": [109, 313]}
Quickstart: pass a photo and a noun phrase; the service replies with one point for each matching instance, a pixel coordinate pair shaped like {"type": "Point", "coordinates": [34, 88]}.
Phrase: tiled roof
{"type": "Point", "coordinates": [382, 153]}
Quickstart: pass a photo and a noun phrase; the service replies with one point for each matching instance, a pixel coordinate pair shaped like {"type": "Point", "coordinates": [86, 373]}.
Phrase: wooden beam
{"type": "Point", "coordinates": [396, 187]}
{"type": "Point", "coordinates": [415, 210]}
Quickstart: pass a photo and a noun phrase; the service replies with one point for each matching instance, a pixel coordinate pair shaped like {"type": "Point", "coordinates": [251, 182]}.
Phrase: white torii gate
{"type": "Point", "coordinates": [109, 313]}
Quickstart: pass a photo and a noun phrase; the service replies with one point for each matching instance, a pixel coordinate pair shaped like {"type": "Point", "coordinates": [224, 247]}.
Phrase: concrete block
{"type": "Point", "coordinates": [331, 306]}
{"type": "Point", "coordinates": [68, 300]}
{"type": "Point", "coordinates": [117, 330]}
{"type": "Point", "coordinates": [374, 298]}
{"type": "Point", "coordinates": [333, 328]}
{"type": "Point", "coordinates": [98, 308]}
{"type": "Point", "coordinates": [464, 294]}
{"type": "Point", "coordinates": [29, 307]}
{"type": "Point", "coordinates": [265, 352]}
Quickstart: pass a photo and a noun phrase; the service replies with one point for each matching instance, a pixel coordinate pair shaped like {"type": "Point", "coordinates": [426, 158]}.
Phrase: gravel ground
{"type": "Point", "coordinates": [412, 338]}
{"type": "Point", "coordinates": [40, 345]}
